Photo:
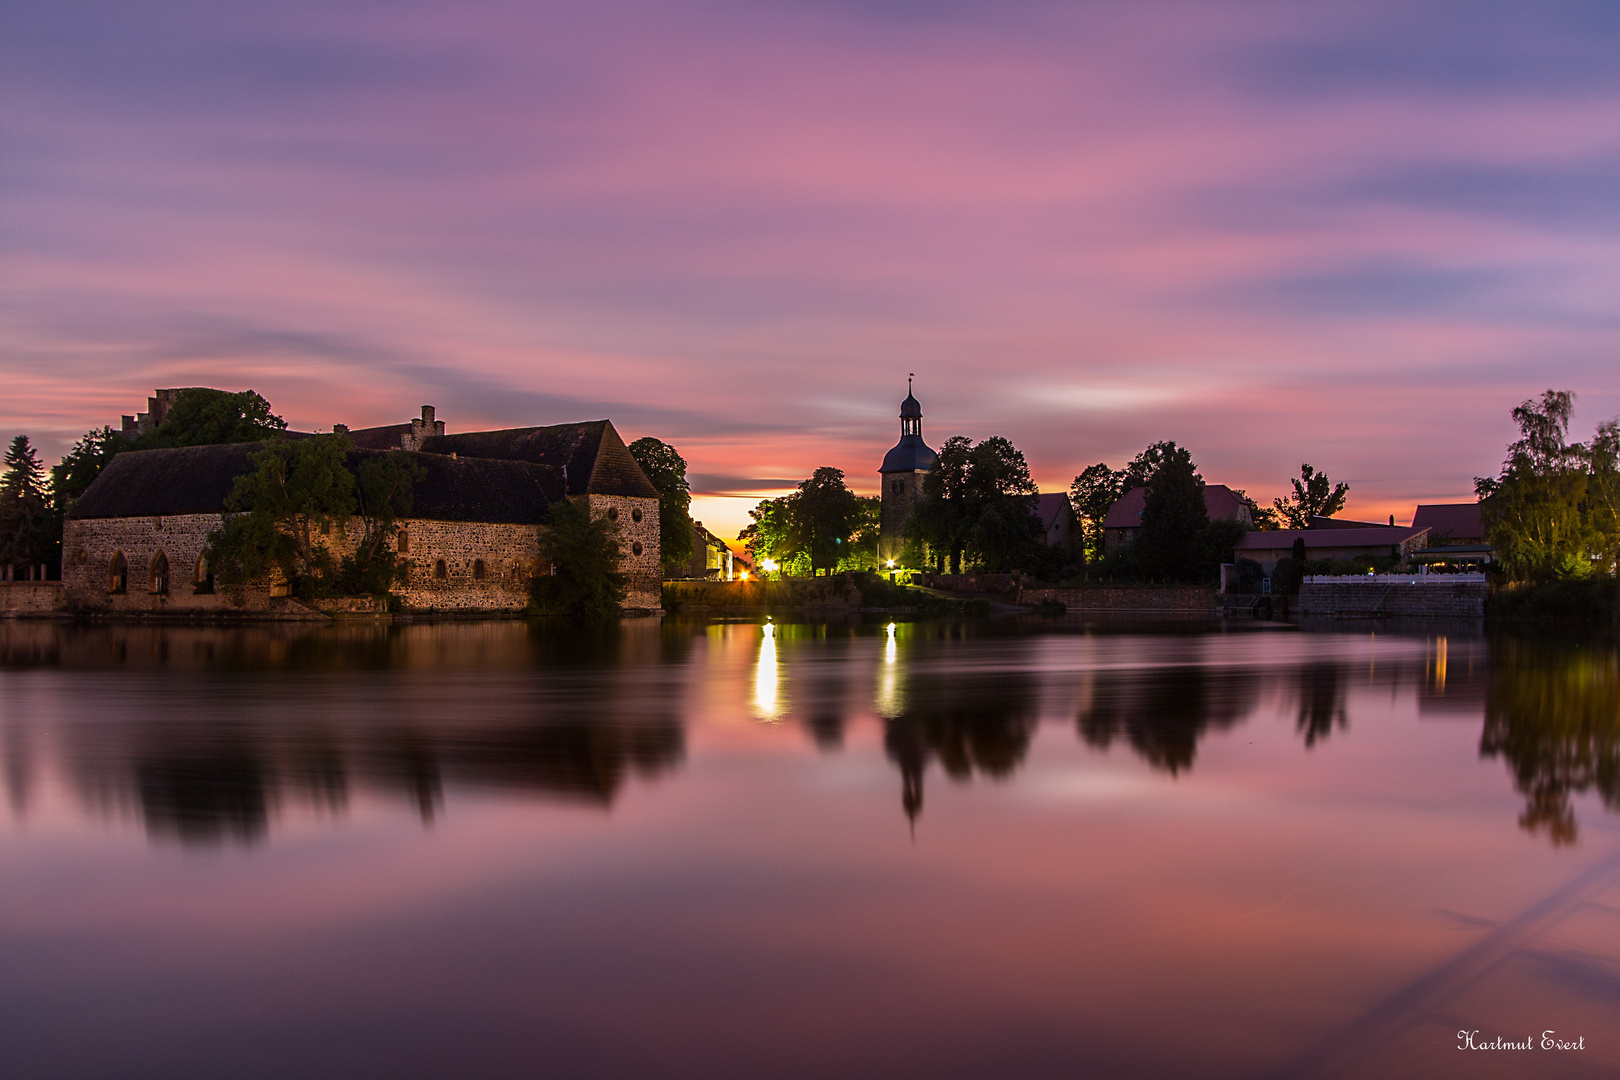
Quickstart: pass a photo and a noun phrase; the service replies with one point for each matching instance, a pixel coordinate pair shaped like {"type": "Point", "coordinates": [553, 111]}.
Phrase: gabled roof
{"type": "Point", "coordinates": [595, 459]}
{"type": "Point", "coordinates": [164, 483]}
{"type": "Point", "coordinates": [386, 437]}
{"type": "Point", "coordinates": [1375, 536]}
{"type": "Point", "coordinates": [1317, 521]}
{"type": "Point", "coordinates": [1050, 507]}
{"type": "Point", "coordinates": [199, 479]}
{"type": "Point", "coordinates": [1220, 502]}
{"type": "Point", "coordinates": [1457, 521]}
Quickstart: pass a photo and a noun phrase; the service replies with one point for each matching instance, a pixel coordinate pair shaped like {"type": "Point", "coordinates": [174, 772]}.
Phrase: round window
{"type": "Point", "coordinates": [635, 515]}
{"type": "Point", "coordinates": [635, 548]}
{"type": "Point", "coordinates": [613, 513]}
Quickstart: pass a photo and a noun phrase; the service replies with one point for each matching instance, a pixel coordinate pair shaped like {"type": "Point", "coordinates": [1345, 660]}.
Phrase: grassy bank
{"type": "Point", "coordinates": [841, 593]}
{"type": "Point", "coordinates": [1588, 602]}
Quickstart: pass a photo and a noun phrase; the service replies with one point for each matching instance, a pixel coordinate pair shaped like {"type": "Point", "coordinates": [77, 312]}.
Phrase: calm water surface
{"type": "Point", "coordinates": [714, 851]}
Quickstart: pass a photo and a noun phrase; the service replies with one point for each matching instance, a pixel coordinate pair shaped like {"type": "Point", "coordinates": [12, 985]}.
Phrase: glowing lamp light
{"type": "Point", "coordinates": [745, 575]}
{"type": "Point", "coordinates": [769, 565]}
{"type": "Point", "coordinates": [891, 564]}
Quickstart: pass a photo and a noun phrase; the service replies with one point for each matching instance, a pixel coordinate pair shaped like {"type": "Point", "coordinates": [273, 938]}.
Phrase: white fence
{"type": "Point", "coordinates": [1394, 579]}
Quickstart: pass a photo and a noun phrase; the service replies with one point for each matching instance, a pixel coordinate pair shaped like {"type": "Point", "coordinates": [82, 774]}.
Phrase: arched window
{"type": "Point", "coordinates": [404, 542]}
{"type": "Point", "coordinates": [118, 573]}
{"type": "Point", "coordinates": [478, 569]}
{"type": "Point", "coordinates": [613, 513]}
{"type": "Point", "coordinates": [439, 570]}
{"type": "Point", "coordinates": [203, 578]}
{"type": "Point", "coordinates": [160, 575]}
{"type": "Point", "coordinates": [635, 548]}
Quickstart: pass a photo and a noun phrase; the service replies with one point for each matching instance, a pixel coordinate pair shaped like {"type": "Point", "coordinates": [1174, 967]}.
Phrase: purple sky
{"type": "Point", "coordinates": [1351, 234]}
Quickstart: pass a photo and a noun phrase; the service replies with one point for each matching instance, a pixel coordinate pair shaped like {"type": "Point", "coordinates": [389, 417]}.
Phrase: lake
{"type": "Point", "coordinates": [735, 850]}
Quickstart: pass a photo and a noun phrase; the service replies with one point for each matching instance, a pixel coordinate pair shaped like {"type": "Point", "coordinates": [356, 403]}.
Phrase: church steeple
{"type": "Point", "coordinates": [910, 412]}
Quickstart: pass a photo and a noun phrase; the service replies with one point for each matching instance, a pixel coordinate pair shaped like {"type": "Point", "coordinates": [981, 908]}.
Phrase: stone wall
{"type": "Point", "coordinates": [463, 566]}
{"type": "Point", "coordinates": [637, 520]}
{"type": "Point", "coordinates": [1187, 601]}
{"type": "Point", "coordinates": [1428, 598]}
{"type": "Point", "coordinates": [88, 548]}
{"type": "Point", "coordinates": [467, 565]}
{"type": "Point", "coordinates": [29, 597]}
{"type": "Point", "coordinates": [902, 491]}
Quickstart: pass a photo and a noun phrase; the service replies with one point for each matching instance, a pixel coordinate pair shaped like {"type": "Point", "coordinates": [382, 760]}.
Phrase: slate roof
{"type": "Point", "coordinates": [152, 483]}
{"type": "Point", "coordinates": [198, 480]}
{"type": "Point", "coordinates": [386, 437]}
{"type": "Point", "coordinates": [1220, 502]}
{"type": "Point", "coordinates": [595, 458]}
{"type": "Point", "coordinates": [1451, 521]}
{"type": "Point", "coordinates": [910, 454]}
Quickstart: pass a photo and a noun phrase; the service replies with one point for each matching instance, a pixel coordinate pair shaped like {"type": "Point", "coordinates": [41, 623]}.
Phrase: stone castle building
{"type": "Point", "coordinates": [903, 470]}
{"type": "Point", "coordinates": [136, 540]}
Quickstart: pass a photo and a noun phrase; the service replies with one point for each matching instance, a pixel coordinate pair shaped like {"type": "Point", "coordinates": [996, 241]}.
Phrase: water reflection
{"type": "Point", "coordinates": [1163, 713]}
{"type": "Point", "coordinates": [1553, 714]}
{"type": "Point", "coordinates": [207, 734]}
{"type": "Point", "coordinates": [258, 722]}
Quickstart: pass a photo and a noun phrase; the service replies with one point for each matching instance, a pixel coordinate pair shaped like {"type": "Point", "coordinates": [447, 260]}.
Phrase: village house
{"type": "Point", "coordinates": [1123, 522]}
{"type": "Point", "coordinates": [1353, 541]}
{"type": "Point", "coordinates": [135, 542]}
{"type": "Point", "coordinates": [1456, 534]}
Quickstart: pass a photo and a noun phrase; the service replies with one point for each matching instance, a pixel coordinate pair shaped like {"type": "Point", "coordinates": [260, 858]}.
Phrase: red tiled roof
{"type": "Point", "coordinates": [1220, 501]}
{"type": "Point", "coordinates": [1375, 536]}
{"type": "Point", "coordinates": [1455, 521]}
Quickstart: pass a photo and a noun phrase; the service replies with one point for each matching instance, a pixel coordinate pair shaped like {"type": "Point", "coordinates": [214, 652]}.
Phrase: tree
{"type": "Point", "coordinates": [979, 502]}
{"type": "Point", "coordinates": [1265, 518]}
{"type": "Point", "coordinates": [276, 515]}
{"type": "Point", "coordinates": [823, 515]}
{"type": "Point", "coordinates": [866, 531]}
{"type": "Point", "coordinates": [1095, 490]}
{"type": "Point", "coordinates": [584, 554]}
{"type": "Point", "coordinates": [1314, 496]}
{"type": "Point", "coordinates": [29, 535]}
{"type": "Point", "coordinates": [202, 416]}
{"type": "Point", "coordinates": [82, 464]}
{"type": "Point", "coordinates": [1548, 514]}
{"type": "Point", "coordinates": [770, 536]}
{"type": "Point", "coordinates": [1174, 519]}
{"type": "Point", "coordinates": [666, 469]}
{"type": "Point", "coordinates": [385, 487]}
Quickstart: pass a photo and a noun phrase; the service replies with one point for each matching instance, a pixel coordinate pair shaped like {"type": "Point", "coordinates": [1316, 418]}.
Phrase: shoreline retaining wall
{"type": "Point", "coordinates": [1427, 598]}
{"type": "Point", "coordinates": [1180, 601]}
{"type": "Point", "coordinates": [30, 597]}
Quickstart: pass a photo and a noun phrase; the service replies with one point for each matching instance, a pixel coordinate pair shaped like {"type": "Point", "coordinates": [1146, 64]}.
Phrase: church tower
{"type": "Point", "coordinates": [903, 470]}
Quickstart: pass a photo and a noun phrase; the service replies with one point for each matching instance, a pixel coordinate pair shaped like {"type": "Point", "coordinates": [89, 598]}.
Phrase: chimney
{"type": "Point", "coordinates": [427, 416]}
{"type": "Point", "coordinates": [1392, 519]}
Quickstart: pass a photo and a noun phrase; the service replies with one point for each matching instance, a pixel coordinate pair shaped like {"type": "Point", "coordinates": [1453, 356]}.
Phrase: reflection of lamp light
{"type": "Point", "coordinates": [765, 677]}
{"type": "Point", "coordinates": [888, 689]}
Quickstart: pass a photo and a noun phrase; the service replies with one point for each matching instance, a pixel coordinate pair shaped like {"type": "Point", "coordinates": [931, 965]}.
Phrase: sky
{"type": "Point", "coordinates": [1350, 234]}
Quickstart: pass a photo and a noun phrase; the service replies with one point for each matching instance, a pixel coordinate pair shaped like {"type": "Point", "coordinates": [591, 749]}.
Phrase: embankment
{"type": "Point", "coordinates": [1128, 599]}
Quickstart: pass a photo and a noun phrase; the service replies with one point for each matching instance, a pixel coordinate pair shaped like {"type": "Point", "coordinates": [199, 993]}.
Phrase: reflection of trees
{"type": "Point", "coordinates": [217, 729]}
{"type": "Point", "coordinates": [1163, 712]}
{"type": "Point", "coordinates": [1554, 715]}
{"type": "Point", "coordinates": [1321, 700]}
{"type": "Point", "coordinates": [980, 723]}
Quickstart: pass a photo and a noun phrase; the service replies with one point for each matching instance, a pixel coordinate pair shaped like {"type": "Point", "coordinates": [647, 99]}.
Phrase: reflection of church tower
{"type": "Point", "coordinates": [903, 470]}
